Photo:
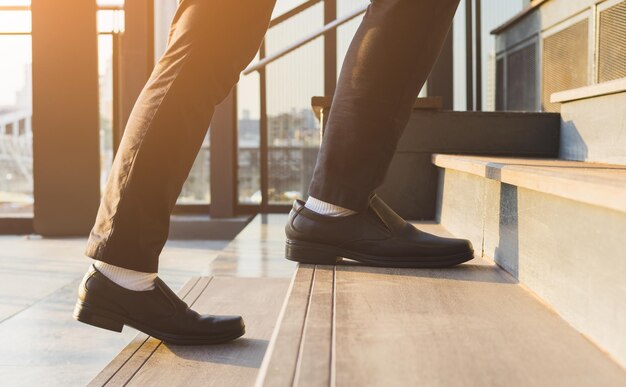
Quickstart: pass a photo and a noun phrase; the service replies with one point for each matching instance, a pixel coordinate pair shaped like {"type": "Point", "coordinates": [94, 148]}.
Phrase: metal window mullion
{"type": "Point", "coordinates": [479, 57]}
{"type": "Point", "coordinates": [118, 129]}
{"type": "Point", "coordinates": [469, 54]}
{"type": "Point", "coordinates": [263, 142]}
{"type": "Point", "coordinates": [330, 49]}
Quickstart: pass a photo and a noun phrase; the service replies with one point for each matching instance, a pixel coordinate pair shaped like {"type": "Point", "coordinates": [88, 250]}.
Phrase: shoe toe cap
{"type": "Point", "coordinates": [459, 246]}
{"type": "Point", "coordinates": [225, 324]}
{"type": "Point", "coordinates": [464, 245]}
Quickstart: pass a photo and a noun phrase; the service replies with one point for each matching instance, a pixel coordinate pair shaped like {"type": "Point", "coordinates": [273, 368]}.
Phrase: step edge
{"type": "Point", "coordinates": [267, 357]}
{"type": "Point", "coordinates": [594, 193]}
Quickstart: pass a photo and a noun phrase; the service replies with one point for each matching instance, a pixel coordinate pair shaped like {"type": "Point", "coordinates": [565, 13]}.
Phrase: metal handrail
{"type": "Point", "coordinates": [28, 7]}
{"type": "Point", "coordinates": [328, 27]}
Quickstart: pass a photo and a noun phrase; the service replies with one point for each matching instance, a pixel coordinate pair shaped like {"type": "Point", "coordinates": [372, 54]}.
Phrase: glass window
{"type": "Point", "coordinates": [249, 138]}
{"type": "Point", "coordinates": [346, 32]}
{"type": "Point", "coordinates": [196, 189]}
{"type": "Point", "coordinates": [110, 24]}
{"type": "Point", "coordinates": [16, 133]}
{"type": "Point", "coordinates": [293, 130]}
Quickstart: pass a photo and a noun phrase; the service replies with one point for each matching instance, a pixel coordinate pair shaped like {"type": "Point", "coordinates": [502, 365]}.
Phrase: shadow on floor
{"type": "Point", "coordinates": [474, 271]}
{"type": "Point", "coordinates": [242, 352]}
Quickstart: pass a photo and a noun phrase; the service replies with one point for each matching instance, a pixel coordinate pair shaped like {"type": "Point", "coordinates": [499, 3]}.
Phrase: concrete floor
{"type": "Point", "coordinates": [41, 344]}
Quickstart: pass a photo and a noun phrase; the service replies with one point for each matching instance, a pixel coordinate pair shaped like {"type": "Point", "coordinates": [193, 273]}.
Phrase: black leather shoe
{"type": "Point", "coordinates": [157, 312]}
{"type": "Point", "coordinates": [377, 237]}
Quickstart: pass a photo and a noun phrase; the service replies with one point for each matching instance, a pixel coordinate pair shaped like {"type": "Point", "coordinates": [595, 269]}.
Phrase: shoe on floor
{"type": "Point", "coordinates": [377, 237]}
{"type": "Point", "coordinates": [157, 312]}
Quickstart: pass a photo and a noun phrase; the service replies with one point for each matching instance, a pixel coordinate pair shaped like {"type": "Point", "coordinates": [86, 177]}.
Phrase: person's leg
{"type": "Point", "coordinates": [386, 65]}
{"type": "Point", "coordinates": [211, 43]}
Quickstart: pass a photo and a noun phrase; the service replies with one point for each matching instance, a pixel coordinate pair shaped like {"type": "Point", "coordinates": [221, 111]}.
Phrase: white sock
{"type": "Point", "coordinates": [327, 209]}
{"type": "Point", "coordinates": [126, 278]}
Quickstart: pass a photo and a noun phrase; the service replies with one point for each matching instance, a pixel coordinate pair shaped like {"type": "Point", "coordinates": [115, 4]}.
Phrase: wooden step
{"type": "Point", "coordinates": [150, 362]}
{"type": "Point", "coordinates": [410, 186]}
{"type": "Point", "coordinates": [593, 122]}
{"type": "Point", "coordinates": [250, 277]}
{"type": "Point", "coordinates": [474, 325]}
{"type": "Point", "coordinates": [556, 226]}
{"type": "Point", "coordinates": [597, 184]}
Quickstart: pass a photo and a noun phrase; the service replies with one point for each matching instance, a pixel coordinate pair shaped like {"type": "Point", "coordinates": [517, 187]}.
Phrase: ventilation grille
{"type": "Point", "coordinates": [612, 43]}
{"type": "Point", "coordinates": [500, 85]}
{"type": "Point", "coordinates": [565, 62]}
{"type": "Point", "coordinates": [521, 70]}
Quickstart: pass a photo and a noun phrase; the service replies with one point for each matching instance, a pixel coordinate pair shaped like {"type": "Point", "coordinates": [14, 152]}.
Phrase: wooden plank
{"type": "Point", "coordinates": [597, 184]}
{"type": "Point", "coordinates": [279, 370]}
{"type": "Point", "coordinates": [258, 300]}
{"type": "Point", "coordinates": [470, 325]}
{"type": "Point", "coordinates": [314, 360]}
{"type": "Point", "coordinates": [123, 363]}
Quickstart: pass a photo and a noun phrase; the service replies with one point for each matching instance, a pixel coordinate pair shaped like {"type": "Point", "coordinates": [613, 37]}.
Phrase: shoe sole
{"type": "Point", "coordinates": [314, 253]}
{"type": "Point", "coordinates": [107, 320]}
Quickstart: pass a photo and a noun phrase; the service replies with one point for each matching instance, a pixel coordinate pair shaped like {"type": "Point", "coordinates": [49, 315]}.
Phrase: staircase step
{"type": "Point", "coordinates": [411, 181]}
{"type": "Point", "coordinates": [353, 325]}
{"type": "Point", "coordinates": [257, 254]}
{"type": "Point", "coordinates": [410, 186]}
{"type": "Point", "coordinates": [597, 184]}
{"type": "Point", "coordinates": [149, 362]}
{"type": "Point", "coordinates": [557, 226]}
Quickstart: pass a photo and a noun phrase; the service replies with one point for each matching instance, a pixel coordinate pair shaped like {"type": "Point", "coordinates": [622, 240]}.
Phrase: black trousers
{"type": "Point", "coordinates": [211, 42]}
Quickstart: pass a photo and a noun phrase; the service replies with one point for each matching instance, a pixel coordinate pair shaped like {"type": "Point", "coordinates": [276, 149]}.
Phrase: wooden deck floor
{"type": "Point", "coordinates": [352, 325]}
{"type": "Point", "coordinates": [250, 277]}
{"type": "Point", "coordinates": [473, 325]}
{"type": "Point", "coordinates": [42, 345]}
{"type": "Point", "coordinates": [150, 362]}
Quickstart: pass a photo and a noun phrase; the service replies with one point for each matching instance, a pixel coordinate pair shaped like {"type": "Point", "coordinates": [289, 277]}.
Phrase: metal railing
{"type": "Point", "coordinates": [284, 166]}
{"type": "Point", "coordinates": [328, 27]}
{"type": "Point", "coordinates": [284, 159]}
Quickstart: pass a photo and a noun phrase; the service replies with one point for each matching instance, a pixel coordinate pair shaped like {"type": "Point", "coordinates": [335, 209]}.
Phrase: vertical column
{"type": "Point", "coordinates": [330, 49]}
{"type": "Point", "coordinates": [65, 116]}
{"type": "Point", "coordinates": [119, 121]}
{"type": "Point", "coordinates": [263, 133]}
{"type": "Point", "coordinates": [469, 54]}
{"type": "Point", "coordinates": [479, 56]}
{"type": "Point", "coordinates": [223, 140]}
{"type": "Point", "coordinates": [136, 53]}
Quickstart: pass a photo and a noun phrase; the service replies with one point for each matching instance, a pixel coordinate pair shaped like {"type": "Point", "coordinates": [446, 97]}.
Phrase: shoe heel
{"type": "Point", "coordinates": [87, 316]}
{"type": "Point", "coordinates": [309, 253]}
